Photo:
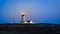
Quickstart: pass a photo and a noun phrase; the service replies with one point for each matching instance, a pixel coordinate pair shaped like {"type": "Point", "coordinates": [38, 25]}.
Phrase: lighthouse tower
{"type": "Point", "coordinates": [23, 20]}
{"type": "Point", "coordinates": [22, 17]}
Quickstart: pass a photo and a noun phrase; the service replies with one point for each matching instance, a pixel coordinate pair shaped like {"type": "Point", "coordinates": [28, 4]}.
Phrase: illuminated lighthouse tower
{"type": "Point", "coordinates": [23, 20]}
{"type": "Point", "coordinates": [22, 17]}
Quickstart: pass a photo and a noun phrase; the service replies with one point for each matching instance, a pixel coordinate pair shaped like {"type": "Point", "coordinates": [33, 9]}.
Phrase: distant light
{"type": "Point", "coordinates": [22, 13]}
{"type": "Point", "coordinates": [31, 22]}
{"type": "Point", "coordinates": [25, 22]}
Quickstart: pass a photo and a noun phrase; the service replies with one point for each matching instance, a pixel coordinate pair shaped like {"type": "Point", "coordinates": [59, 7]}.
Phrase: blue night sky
{"type": "Point", "coordinates": [41, 11]}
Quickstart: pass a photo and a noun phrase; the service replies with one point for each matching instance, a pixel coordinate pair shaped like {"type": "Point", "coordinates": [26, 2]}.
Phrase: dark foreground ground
{"type": "Point", "coordinates": [30, 29]}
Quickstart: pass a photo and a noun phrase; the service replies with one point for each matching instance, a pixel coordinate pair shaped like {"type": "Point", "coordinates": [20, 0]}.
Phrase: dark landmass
{"type": "Point", "coordinates": [42, 28]}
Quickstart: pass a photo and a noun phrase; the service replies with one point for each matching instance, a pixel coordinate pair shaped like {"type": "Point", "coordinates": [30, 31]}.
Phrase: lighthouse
{"type": "Point", "coordinates": [23, 20]}
{"type": "Point", "coordinates": [22, 17]}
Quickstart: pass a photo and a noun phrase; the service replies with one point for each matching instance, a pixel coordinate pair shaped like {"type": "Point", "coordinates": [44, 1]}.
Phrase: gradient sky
{"type": "Point", "coordinates": [41, 11]}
